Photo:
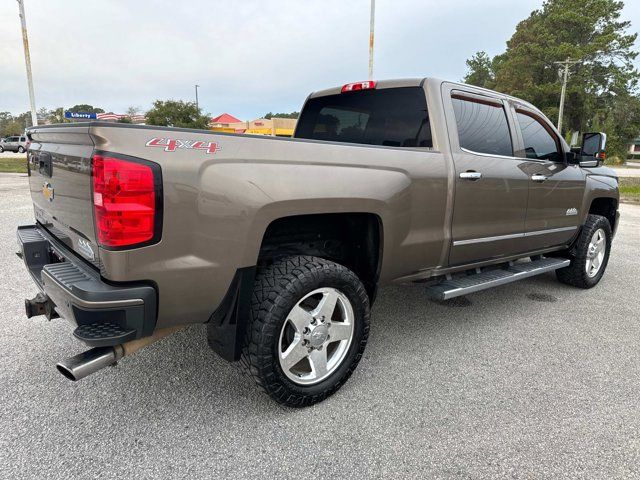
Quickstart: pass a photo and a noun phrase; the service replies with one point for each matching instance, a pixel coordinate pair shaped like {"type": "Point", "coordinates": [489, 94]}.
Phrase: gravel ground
{"type": "Point", "coordinates": [530, 380]}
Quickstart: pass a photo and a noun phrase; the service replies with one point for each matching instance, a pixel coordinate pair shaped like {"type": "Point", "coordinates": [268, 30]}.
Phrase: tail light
{"type": "Point", "coordinates": [352, 87]}
{"type": "Point", "coordinates": [127, 201]}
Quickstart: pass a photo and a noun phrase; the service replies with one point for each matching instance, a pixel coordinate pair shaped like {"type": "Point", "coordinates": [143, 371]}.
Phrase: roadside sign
{"type": "Point", "coordinates": [86, 115]}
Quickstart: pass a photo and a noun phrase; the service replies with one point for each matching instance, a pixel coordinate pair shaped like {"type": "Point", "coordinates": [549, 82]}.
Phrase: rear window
{"type": "Point", "coordinates": [393, 117]}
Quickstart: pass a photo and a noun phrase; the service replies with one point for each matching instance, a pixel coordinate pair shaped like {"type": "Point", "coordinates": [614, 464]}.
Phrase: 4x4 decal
{"type": "Point", "coordinates": [172, 144]}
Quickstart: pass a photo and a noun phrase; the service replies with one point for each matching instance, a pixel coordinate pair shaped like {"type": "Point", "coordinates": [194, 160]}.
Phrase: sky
{"type": "Point", "coordinates": [249, 57]}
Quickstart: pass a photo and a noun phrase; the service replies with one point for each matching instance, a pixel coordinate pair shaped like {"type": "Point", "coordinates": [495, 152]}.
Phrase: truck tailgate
{"type": "Point", "coordinates": [60, 183]}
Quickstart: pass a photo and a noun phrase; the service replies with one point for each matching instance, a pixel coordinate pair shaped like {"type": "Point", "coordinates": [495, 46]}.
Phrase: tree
{"type": "Point", "coordinates": [480, 71]}
{"type": "Point", "coordinates": [132, 111]}
{"type": "Point", "coordinates": [11, 128]}
{"type": "Point", "coordinates": [56, 115]}
{"type": "Point", "coordinates": [84, 108]}
{"type": "Point", "coordinates": [172, 113]}
{"type": "Point", "coordinates": [271, 115]}
{"type": "Point", "coordinates": [591, 32]}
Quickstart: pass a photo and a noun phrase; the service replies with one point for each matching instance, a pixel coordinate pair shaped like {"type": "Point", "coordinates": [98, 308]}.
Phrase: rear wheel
{"type": "Point", "coordinates": [309, 328]}
{"type": "Point", "coordinates": [590, 254]}
{"type": "Point", "coordinates": [20, 149]}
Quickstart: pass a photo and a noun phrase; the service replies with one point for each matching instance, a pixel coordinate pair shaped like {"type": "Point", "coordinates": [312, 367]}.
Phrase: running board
{"type": "Point", "coordinates": [455, 287]}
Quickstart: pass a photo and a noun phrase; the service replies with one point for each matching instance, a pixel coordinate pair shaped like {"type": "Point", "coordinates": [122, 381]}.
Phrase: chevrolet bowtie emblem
{"type": "Point", "coordinates": [47, 191]}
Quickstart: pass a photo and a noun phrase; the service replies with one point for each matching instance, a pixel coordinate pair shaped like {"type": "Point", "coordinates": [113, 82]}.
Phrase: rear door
{"type": "Point", "coordinates": [556, 188]}
{"type": "Point", "coordinates": [60, 183]}
{"type": "Point", "coordinates": [491, 183]}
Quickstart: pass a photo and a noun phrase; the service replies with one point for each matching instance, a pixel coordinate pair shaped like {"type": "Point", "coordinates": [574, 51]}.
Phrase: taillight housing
{"type": "Point", "coordinates": [352, 87]}
{"type": "Point", "coordinates": [127, 201]}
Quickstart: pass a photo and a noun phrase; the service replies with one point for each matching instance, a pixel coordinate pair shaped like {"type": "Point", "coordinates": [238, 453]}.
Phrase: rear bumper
{"type": "Point", "coordinates": [106, 314]}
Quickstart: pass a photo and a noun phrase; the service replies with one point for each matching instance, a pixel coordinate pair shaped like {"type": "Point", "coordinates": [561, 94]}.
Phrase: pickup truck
{"type": "Point", "coordinates": [279, 245]}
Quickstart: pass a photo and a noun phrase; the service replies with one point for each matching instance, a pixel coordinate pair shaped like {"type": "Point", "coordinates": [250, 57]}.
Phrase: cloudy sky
{"type": "Point", "coordinates": [249, 57]}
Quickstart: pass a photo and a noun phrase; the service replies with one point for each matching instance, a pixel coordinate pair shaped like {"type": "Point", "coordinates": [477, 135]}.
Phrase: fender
{"type": "Point", "coordinates": [600, 183]}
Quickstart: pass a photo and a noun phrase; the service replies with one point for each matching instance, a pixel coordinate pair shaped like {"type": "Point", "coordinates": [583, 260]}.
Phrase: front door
{"type": "Point", "coordinates": [491, 184]}
{"type": "Point", "coordinates": [556, 188]}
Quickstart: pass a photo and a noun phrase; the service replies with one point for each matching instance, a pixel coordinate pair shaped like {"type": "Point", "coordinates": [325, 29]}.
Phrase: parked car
{"type": "Point", "coordinates": [279, 245]}
{"type": "Point", "coordinates": [14, 144]}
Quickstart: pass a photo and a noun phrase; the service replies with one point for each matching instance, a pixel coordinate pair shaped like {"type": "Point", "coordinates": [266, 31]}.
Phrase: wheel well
{"type": "Point", "coordinates": [607, 208]}
{"type": "Point", "coordinates": [351, 239]}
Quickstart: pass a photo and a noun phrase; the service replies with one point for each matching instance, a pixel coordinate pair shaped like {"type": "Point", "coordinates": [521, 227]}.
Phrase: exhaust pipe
{"type": "Point", "coordinates": [86, 363]}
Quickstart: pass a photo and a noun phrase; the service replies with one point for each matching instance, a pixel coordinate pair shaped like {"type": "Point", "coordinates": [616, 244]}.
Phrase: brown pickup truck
{"type": "Point", "coordinates": [280, 244]}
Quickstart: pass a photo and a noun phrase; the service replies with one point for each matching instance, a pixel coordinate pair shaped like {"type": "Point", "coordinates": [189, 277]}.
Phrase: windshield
{"type": "Point", "coordinates": [393, 117]}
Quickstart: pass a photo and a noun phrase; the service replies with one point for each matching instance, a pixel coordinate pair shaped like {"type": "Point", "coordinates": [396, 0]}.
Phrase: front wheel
{"type": "Point", "coordinates": [591, 254]}
{"type": "Point", "coordinates": [1, 149]}
{"type": "Point", "coordinates": [308, 331]}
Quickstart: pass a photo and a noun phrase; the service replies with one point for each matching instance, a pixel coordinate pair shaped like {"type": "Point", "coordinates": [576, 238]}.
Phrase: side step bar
{"type": "Point", "coordinates": [455, 287]}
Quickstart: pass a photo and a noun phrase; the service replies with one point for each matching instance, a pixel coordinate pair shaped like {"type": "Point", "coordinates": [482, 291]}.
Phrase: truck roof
{"type": "Point", "coordinates": [417, 82]}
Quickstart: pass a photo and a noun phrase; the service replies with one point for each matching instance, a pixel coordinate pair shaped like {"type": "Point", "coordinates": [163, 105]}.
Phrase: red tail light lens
{"type": "Point", "coordinates": [125, 201]}
{"type": "Point", "coordinates": [352, 87]}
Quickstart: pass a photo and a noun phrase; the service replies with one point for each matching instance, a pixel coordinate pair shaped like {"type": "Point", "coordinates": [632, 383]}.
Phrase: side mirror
{"type": "Point", "coordinates": [592, 149]}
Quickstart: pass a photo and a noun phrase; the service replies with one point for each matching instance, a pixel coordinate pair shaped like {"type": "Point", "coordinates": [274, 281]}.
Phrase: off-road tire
{"type": "Point", "coordinates": [575, 274]}
{"type": "Point", "coordinates": [277, 289]}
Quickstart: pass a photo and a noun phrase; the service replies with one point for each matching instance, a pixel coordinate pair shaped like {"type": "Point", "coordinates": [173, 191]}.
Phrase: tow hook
{"type": "Point", "coordinates": [40, 305]}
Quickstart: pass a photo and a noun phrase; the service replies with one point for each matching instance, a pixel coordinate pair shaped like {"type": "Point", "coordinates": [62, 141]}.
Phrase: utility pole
{"type": "Point", "coordinates": [197, 98]}
{"type": "Point", "coordinates": [371, 36]}
{"type": "Point", "coordinates": [27, 61]}
{"type": "Point", "coordinates": [565, 76]}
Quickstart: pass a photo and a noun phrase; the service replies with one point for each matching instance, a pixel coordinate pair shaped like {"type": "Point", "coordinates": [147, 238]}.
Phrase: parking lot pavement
{"type": "Point", "coordinates": [632, 172]}
{"type": "Point", "coordinates": [530, 380]}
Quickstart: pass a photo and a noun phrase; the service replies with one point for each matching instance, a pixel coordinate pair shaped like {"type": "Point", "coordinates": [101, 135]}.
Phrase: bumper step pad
{"type": "Point", "coordinates": [103, 334]}
{"type": "Point", "coordinates": [475, 282]}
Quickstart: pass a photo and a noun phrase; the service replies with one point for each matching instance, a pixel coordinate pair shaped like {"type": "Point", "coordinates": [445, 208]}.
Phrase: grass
{"type": "Point", "coordinates": [13, 165]}
{"type": "Point", "coordinates": [630, 189]}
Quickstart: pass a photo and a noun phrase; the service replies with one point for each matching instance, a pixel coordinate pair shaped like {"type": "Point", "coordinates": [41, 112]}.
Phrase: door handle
{"type": "Point", "coordinates": [538, 178]}
{"type": "Point", "coordinates": [471, 175]}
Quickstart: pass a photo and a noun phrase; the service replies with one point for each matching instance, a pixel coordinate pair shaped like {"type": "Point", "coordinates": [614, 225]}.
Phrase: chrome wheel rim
{"type": "Point", "coordinates": [595, 253]}
{"type": "Point", "coordinates": [316, 336]}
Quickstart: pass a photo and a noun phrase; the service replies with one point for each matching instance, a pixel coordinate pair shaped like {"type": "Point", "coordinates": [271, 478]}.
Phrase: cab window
{"type": "Point", "coordinates": [482, 126]}
{"type": "Point", "coordinates": [540, 142]}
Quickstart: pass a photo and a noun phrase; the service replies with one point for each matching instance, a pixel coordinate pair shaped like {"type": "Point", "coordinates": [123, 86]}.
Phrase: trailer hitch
{"type": "Point", "coordinates": [41, 304]}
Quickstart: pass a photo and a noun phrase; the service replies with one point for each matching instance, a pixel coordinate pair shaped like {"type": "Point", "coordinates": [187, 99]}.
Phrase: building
{"type": "Point", "coordinates": [117, 117]}
{"type": "Point", "coordinates": [281, 127]}
{"type": "Point", "coordinates": [224, 123]}
{"type": "Point", "coordinates": [634, 149]}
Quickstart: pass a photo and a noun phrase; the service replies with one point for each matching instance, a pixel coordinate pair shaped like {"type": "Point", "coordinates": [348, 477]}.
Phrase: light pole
{"type": "Point", "coordinates": [27, 61]}
{"type": "Point", "coordinates": [197, 98]}
{"type": "Point", "coordinates": [371, 36]}
{"type": "Point", "coordinates": [565, 76]}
